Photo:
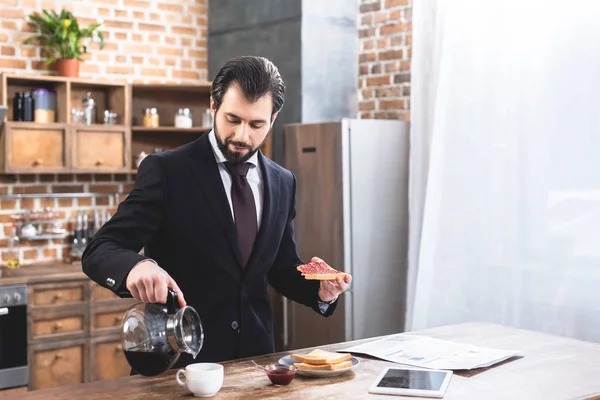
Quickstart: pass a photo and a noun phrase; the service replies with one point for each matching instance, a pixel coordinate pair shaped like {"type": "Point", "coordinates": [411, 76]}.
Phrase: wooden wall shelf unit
{"type": "Point", "coordinates": [68, 147]}
{"type": "Point", "coordinates": [167, 99]}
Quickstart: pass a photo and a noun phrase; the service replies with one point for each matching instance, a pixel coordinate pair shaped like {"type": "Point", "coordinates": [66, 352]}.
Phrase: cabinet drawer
{"type": "Point", "coordinates": [58, 326]}
{"type": "Point", "coordinates": [57, 294]}
{"type": "Point", "coordinates": [107, 321]}
{"type": "Point", "coordinates": [58, 365]}
{"type": "Point", "coordinates": [101, 293]}
{"type": "Point", "coordinates": [35, 148]}
{"type": "Point", "coordinates": [107, 317]}
{"type": "Point", "coordinates": [101, 149]}
{"type": "Point", "coordinates": [108, 359]}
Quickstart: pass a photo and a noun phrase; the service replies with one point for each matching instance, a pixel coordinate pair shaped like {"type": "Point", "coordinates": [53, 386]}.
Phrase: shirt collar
{"type": "Point", "coordinates": [219, 155]}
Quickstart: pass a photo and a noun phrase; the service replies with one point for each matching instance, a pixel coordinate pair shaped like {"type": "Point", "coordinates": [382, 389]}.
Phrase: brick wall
{"type": "Point", "coordinates": [385, 37]}
{"type": "Point", "coordinates": [34, 251]}
{"type": "Point", "coordinates": [155, 40]}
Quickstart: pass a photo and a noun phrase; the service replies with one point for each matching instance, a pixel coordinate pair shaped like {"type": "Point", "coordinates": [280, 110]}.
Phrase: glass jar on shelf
{"type": "Point", "coordinates": [207, 119]}
{"type": "Point", "coordinates": [12, 256]}
{"type": "Point", "coordinates": [151, 118]}
{"type": "Point", "coordinates": [183, 118]}
{"type": "Point", "coordinates": [44, 105]}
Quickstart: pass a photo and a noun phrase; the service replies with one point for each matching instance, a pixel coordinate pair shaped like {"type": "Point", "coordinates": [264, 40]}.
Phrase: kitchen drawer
{"type": "Point", "coordinates": [35, 148]}
{"type": "Point", "coordinates": [106, 318]}
{"type": "Point", "coordinates": [58, 327]}
{"type": "Point", "coordinates": [101, 293]}
{"type": "Point", "coordinates": [57, 364]}
{"type": "Point", "coordinates": [57, 323]}
{"type": "Point", "coordinates": [107, 321]}
{"type": "Point", "coordinates": [55, 294]}
{"type": "Point", "coordinates": [107, 359]}
{"type": "Point", "coordinates": [101, 149]}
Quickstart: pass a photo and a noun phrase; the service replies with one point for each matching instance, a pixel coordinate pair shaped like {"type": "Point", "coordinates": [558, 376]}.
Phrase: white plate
{"type": "Point", "coordinates": [287, 360]}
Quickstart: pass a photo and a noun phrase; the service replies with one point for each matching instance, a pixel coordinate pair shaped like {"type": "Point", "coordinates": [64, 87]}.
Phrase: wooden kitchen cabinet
{"type": "Point", "coordinates": [101, 148]}
{"type": "Point", "coordinates": [67, 145]}
{"type": "Point", "coordinates": [74, 334]}
{"type": "Point", "coordinates": [107, 358]}
{"type": "Point", "coordinates": [57, 363]}
{"type": "Point", "coordinates": [34, 148]}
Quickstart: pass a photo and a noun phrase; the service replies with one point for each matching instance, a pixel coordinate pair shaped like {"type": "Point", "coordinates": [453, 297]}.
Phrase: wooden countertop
{"type": "Point", "coordinates": [552, 368]}
{"type": "Point", "coordinates": [41, 273]}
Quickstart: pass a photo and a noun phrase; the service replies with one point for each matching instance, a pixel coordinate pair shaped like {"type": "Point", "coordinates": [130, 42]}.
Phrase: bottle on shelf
{"type": "Point", "coordinates": [18, 107]}
{"type": "Point", "coordinates": [13, 259]}
{"type": "Point", "coordinates": [90, 111]}
{"type": "Point", "coordinates": [28, 105]}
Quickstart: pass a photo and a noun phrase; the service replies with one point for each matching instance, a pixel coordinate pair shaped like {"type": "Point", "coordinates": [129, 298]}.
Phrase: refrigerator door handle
{"type": "Point", "coordinates": [286, 339]}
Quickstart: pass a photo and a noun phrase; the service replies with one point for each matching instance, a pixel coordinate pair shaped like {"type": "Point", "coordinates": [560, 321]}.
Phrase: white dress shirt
{"type": "Point", "coordinates": [254, 178]}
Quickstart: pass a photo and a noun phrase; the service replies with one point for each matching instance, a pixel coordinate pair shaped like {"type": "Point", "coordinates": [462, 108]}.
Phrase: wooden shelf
{"type": "Point", "coordinates": [173, 87]}
{"type": "Point", "coordinates": [195, 129]}
{"type": "Point", "coordinates": [67, 147]}
{"type": "Point", "coordinates": [53, 78]}
{"type": "Point", "coordinates": [36, 125]}
{"type": "Point", "coordinates": [62, 125]}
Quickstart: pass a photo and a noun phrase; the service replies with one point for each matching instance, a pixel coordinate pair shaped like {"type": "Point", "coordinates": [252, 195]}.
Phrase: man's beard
{"type": "Point", "coordinates": [233, 156]}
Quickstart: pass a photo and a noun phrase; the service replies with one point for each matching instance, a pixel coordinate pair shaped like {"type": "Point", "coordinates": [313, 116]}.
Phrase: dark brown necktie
{"type": "Point", "coordinates": [244, 209]}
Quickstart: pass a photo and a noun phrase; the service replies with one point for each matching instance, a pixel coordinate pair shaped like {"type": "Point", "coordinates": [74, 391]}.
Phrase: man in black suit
{"type": "Point", "coordinates": [215, 220]}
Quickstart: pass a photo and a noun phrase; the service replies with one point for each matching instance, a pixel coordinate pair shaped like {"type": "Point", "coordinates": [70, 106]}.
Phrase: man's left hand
{"type": "Point", "coordinates": [330, 290]}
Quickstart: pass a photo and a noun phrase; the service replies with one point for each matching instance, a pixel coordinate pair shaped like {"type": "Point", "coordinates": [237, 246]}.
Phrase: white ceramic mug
{"type": "Point", "coordinates": [202, 379]}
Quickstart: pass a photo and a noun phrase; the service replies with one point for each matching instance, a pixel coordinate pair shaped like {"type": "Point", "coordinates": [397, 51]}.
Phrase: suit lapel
{"type": "Point", "coordinates": [208, 177]}
{"type": "Point", "coordinates": [271, 189]}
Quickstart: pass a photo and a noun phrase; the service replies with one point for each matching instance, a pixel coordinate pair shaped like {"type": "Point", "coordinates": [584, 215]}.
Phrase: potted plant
{"type": "Point", "coordinates": [63, 39]}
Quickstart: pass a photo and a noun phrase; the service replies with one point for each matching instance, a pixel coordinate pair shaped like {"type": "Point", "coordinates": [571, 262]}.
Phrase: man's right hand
{"type": "Point", "coordinates": [149, 283]}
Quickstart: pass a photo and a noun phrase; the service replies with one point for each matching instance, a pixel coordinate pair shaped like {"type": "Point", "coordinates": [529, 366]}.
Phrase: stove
{"type": "Point", "coordinates": [13, 336]}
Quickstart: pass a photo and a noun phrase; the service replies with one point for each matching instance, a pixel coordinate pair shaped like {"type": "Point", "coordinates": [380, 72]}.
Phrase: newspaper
{"type": "Point", "coordinates": [426, 352]}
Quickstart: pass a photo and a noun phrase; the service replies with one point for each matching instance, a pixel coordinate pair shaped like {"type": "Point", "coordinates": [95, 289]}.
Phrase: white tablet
{"type": "Point", "coordinates": [412, 382]}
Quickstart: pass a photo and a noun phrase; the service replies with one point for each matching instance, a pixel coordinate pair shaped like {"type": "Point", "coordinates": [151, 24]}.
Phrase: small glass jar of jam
{"type": "Point", "coordinates": [281, 375]}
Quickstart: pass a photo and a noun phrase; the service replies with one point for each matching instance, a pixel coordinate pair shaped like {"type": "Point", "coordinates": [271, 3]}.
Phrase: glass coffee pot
{"type": "Point", "coordinates": [155, 335]}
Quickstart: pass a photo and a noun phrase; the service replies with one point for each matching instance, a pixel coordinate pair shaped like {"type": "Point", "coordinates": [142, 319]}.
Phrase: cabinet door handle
{"type": "Point", "coordinates": [117, 321]}
{"type": "Point", "coordinates": [4, 311]}
{"type": "Point", "coordinates": [99, 162]}
{"type": "Point", "coordinates": [38, 162]}
{"type": "Point", "coordinates": [118, 348]}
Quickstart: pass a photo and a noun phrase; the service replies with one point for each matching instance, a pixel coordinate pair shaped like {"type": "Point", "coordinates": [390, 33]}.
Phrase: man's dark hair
{"type": "Point", "coordinates": [256, 76]}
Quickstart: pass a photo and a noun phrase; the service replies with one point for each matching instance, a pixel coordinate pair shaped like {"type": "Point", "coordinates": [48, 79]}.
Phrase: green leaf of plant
{"type": "Point", "coordinates": [59, 39]}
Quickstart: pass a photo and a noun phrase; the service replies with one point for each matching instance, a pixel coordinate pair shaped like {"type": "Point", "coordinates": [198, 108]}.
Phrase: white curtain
{"type": "Point", "coordinates": [505, 165]}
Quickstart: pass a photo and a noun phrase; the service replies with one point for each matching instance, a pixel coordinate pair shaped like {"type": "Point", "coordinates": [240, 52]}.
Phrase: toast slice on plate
{"type": "Point", "coordinates": [321, 357]}
{"type": "Point", "coordinates": [327, 367]}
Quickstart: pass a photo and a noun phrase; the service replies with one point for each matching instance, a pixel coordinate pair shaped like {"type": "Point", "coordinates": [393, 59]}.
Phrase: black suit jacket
{"type": "Point", "coordinates": [179, 213]}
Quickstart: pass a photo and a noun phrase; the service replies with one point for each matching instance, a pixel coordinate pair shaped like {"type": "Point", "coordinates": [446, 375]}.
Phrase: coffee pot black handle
{"type": "Point", "coordinates": [172, 302]}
